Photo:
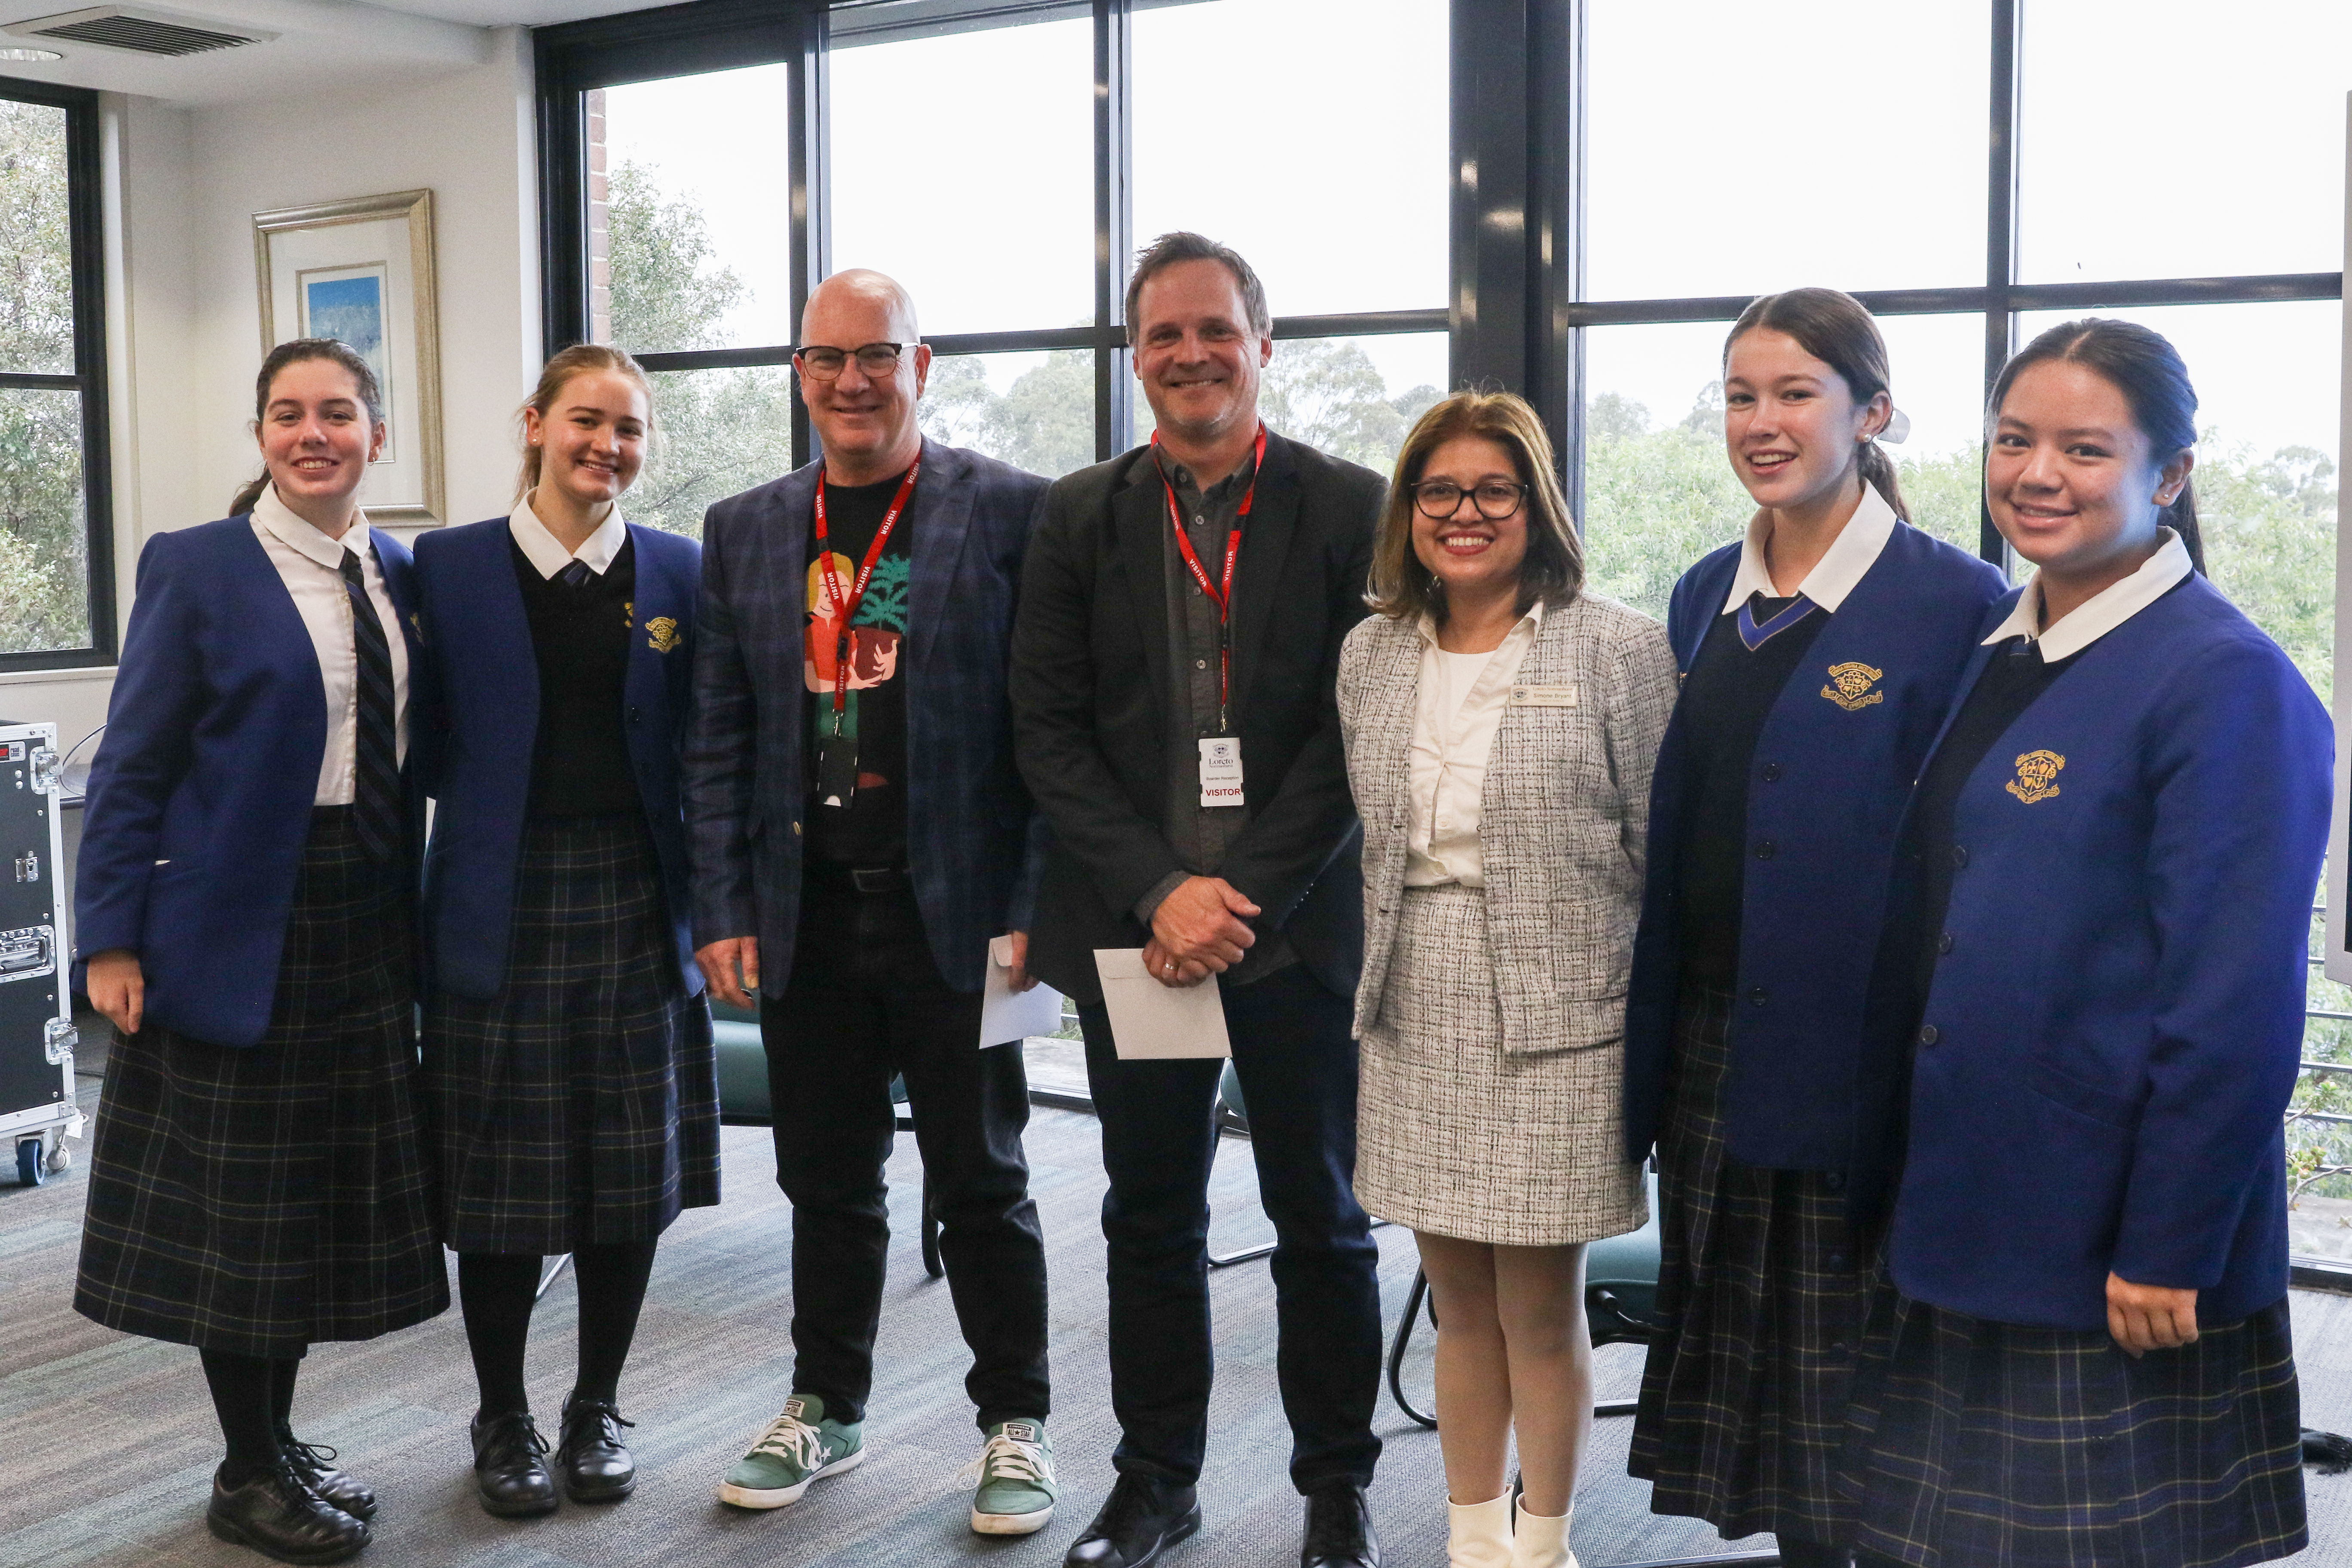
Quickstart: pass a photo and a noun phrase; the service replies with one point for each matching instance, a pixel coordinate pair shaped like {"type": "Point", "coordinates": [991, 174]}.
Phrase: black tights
{"type": "Point", "coordinates": [499, 1289]}
{"type": "Point", "coordinates": [1796, 1551]}
{"type": "Point", "coordinates": [254, 1397]}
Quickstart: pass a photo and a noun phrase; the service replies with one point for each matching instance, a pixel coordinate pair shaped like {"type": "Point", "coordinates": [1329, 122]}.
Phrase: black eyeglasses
{"type": "Point", "coordinates": [875, 360]}
{"type": "Point", "coordinates": [1495, 499]}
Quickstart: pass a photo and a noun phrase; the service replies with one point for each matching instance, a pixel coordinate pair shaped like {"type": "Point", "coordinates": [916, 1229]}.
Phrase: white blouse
{"type": "Point", "coordinates": [311, 566]}
{"type": "Point", "coordinates": [1458, 712]}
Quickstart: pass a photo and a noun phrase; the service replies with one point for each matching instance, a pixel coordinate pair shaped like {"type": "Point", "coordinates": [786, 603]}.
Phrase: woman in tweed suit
{"type": "Point", "coordinates": [567, 1048]}
{"type": "Point", "coordinates": [259, 1182]}
{"type": "Point", "coordinates": [1500, 727]}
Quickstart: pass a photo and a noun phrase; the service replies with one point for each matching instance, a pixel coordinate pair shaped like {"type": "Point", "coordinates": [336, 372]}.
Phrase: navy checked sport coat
{"type": "Point", "coordinates": [972, 842]}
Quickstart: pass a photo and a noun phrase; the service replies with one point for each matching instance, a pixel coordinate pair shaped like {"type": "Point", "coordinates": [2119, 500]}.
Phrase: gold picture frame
{"type": "Point", "coordinates": [362, 269]}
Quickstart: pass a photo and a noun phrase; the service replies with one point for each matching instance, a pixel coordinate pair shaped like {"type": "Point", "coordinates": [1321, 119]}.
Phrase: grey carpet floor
{"type": "Point", "coordinates": [109, 1441]}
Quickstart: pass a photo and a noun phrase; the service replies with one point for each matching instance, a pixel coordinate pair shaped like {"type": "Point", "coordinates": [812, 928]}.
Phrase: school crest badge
{"type": "Point", "coordinates": [661, 634]}
{"type": "Point", "coordinates": [2037, 777]}
{"type": "Point", "coordinates": [1849, 686]}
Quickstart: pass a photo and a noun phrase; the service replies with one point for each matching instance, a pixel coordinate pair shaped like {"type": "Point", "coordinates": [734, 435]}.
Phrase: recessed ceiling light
{"type": "Point", "coordinates": [29, 57]}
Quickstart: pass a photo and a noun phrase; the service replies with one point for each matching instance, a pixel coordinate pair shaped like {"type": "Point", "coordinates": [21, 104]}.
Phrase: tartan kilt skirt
{"type": "Point", "coordinates": [257, 1200]}
{"type": "Point", "coordinates": [1765, 1289]}
{"type": "Point", "coordinates": [1975, 1442]}
{"type": "Point", "coordinates": [579, 1105]}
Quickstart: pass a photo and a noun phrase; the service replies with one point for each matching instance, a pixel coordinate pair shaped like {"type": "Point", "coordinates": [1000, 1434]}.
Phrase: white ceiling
{"type": "Point", "coordinates": [322, 45]}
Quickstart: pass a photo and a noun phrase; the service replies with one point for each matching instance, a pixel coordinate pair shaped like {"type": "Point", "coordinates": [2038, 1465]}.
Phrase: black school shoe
{"type": "Point", "coordinates": [596, 1466]}
{"type": "Point", "coordinates": [510, 1467]}
{"type": "Point", "coordinates": [316, 1463]}
{"type": "Point", "coordinates": [277, 1514]}
{"type": "Point", "coordinates": [1340, 1528]}
{"type": "Point", "coordinates": [1141, 1518]}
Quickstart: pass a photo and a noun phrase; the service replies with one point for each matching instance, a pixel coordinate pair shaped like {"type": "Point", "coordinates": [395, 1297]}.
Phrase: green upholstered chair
{"type": "Point", "coordinates": [744, 1099]}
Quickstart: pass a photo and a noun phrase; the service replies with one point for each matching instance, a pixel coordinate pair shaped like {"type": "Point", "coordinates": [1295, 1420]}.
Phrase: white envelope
{"type": "Point", "coordinates": [1005, 1018]}
{"type": "Point", "coordinates": [1151, 1021]}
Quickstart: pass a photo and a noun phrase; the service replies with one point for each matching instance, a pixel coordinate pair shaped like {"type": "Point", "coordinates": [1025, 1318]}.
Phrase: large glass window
{"type": "Point", "coordinates": [55, 603]}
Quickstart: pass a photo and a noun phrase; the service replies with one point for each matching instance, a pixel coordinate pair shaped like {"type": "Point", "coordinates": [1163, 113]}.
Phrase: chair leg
{"type": "Point", "coordinates": [1413, 1299]}
{"type": "Point", "coordinates": [931, 1264]}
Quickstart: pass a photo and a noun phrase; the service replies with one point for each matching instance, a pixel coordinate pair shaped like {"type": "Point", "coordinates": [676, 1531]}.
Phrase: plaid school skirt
{"type": "Point", "coordinates": [581, 1104]}
{"type": "Point", "coordinates": [1742, 1413]}
{"type": "Point", "coordinates": [1976, 1442]}
{"type": "Point", "coordinates": [257, 1201]}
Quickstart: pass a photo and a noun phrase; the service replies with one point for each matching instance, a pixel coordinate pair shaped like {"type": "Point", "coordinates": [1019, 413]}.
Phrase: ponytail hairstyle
{"type": "Point", "coordinates": [580, 359]}
{"type": "Point", "coordinates": [294, 352]}
{"type": "Point", "coordinates": [1834, 329]}
{"type": "Point", "coordinates": [2148, 370]}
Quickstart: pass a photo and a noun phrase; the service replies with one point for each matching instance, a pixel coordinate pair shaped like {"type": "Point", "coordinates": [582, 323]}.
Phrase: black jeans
{"type": "Point", "coordinates": [865, 1001]}
{"type": "Point", "coordinates": [1296, 1061]}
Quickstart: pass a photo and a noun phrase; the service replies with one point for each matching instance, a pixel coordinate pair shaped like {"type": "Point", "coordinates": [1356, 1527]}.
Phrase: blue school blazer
{"type": "Point", "coordinates": [2109, 1047]}
{"type": "Point", "coordinates": [199, 799]}
{"type": "Point", "coordinates": [1832, 774]}
{"type": "Point", "coordinates": [480, 723]}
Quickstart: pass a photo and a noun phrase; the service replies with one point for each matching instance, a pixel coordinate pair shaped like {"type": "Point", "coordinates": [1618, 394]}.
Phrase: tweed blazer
{"type": "Point", "coordinates": [1563, 816]}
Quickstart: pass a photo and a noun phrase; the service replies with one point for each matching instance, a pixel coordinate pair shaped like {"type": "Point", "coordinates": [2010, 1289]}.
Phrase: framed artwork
{"type": "Point", "coordinates": [360, 271]}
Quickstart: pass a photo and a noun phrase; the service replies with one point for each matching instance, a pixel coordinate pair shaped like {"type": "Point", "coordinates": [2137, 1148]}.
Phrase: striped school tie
{"type": "Point", "coordinates": [375, 795]}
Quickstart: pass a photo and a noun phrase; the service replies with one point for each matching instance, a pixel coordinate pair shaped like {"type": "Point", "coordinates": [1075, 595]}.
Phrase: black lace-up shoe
{"type": "Point", "coordinates": [510, 1467]}
{"type": "Point", "coordinates": [1340, 1528]}
{"type": "Point", "coordinates": [596, 1466]}
{"type": "Point", "coordinates": [1141, 1518]}
{"type": "Point", "coordinates": [277, 1514]}
{"type": "Point", "coordinates": [316, 1462]}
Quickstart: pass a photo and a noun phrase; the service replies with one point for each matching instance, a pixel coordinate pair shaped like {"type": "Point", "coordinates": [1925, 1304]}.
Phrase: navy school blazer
{"type": "Point", "coordinates": [200, 795]}
{"type": "Point", "coordinates": [2117, 1025]}
{"type": "Point", "coordinates": [480, 724]}
{"type": "Point", "coordinates": [1827, 787]}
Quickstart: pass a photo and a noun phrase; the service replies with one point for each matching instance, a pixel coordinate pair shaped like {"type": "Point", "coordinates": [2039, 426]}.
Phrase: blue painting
{"type": "Point", "coordinates": [347, 303]}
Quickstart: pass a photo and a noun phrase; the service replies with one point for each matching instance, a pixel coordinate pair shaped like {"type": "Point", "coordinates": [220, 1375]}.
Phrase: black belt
{"type": "Point", "coordinates": [864, 878]}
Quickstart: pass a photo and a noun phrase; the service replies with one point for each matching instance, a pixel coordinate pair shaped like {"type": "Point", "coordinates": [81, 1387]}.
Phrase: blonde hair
{"type": "Point", "coordinates": [580, 359]}
{"type": "Point", "coordinates": [1553, 568]}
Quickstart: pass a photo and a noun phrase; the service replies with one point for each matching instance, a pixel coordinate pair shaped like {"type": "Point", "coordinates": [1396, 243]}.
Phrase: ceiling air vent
{"type": "Point", "coordinates": [142, 29]}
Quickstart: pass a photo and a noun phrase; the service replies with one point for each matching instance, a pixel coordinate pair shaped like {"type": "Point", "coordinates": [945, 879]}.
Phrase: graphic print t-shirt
{"type": "Point", "coordinates": [871, 830]}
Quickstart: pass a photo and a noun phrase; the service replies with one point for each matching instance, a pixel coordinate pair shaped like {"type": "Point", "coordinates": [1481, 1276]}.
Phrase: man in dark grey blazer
{"type": "Point", "coordinates": [1133, 690]}
{"type": "Point", "coordinates": [860, 835]}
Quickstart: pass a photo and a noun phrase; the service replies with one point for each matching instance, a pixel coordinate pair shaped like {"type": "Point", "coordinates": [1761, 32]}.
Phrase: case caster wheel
{"type": "Point", "coordinates": [60, 1159]}
{"type": "Point", "coordinates": [30, 1165]}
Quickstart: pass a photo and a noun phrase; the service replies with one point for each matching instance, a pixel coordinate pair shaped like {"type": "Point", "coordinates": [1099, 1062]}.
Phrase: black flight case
{"type": "Point", "coordinates": [38, 1110]}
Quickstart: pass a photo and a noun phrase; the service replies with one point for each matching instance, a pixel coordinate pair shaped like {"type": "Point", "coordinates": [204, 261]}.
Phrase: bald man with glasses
{"type": "Point", "coordinates": [859, 836]}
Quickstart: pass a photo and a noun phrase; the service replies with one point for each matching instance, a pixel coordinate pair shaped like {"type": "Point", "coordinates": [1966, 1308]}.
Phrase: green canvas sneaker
{"type": "Point", "coordinates": [1015, 1471]}
{"type": "Point", "coordinates": [798, 1446]}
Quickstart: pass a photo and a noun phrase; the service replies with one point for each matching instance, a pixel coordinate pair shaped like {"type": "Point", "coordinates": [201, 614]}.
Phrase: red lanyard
{"type": "Point", "coordinates": [846, 608]}
{"type": "Point", "coordinates": [1219, 594]}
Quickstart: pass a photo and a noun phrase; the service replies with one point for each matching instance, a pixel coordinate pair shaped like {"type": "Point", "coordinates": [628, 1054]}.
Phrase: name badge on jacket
{"type": "Point", "coordinates": [1220, 771]}
{"type": "Point", "coordinates": [1544, 696]}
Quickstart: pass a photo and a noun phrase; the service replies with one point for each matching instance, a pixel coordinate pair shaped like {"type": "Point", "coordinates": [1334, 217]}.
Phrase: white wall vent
{"type": "Point", "coordinates": [142, 29]}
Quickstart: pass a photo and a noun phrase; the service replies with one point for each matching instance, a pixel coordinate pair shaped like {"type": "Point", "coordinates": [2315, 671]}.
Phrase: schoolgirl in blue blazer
{"type": "Point", "coordinates": [1818, 656]}
{"type": "Point", "coordinates": [567, 1049]}
{"type": "Point", "coordinates": [242, 904]}
{"type": "Point", "coordinates": [2081, 1351]}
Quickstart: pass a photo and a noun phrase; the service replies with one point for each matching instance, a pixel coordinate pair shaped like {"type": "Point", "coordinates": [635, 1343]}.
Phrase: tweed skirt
{"type": "Point", "coordinates": [1456, 1138]}
{"type": "Point", "coordinates": [579, 1105]}
{"type": "Point", "coordinates": [259, 1200]}
{"type": "Point", "coordinates": [1765, 1292]}
{"type": "Point", "coordinates": [1975, 1442]}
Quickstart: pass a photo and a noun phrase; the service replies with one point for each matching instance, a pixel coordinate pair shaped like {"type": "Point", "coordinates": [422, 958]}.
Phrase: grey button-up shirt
{"type": "Point", "coordinates": [1199, 834]}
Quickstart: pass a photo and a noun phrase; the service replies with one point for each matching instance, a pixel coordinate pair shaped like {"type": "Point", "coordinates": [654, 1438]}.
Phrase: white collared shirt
{"type": "Point", "coordinates": [546, 553]}
{"type": "Point", "coordinates": [2104, 611]}
{"type": "Point", "coordinates": [1455, 718]}
{"type": "Point", "coordinates": [1850, 555]}
{"type": "Point", "coordinates": [310, 564]}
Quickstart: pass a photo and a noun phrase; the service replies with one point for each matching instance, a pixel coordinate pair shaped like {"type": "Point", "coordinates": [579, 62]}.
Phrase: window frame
{"type": "Point", "coordinates": [86, 224]}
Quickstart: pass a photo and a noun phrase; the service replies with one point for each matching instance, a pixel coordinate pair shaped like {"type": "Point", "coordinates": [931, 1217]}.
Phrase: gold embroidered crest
{"type": "Point", "coordinates": [2037, 777]}
{"type": "Point", "coordinates": [1850, 683]}
{"type": "Point", "coordinates": [661, 634]}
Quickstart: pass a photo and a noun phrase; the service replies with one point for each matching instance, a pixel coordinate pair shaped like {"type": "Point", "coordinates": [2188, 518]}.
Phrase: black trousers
{"type": "Point", "coordinates": [1297, 1060]}
{"type": "Point", "coordinates": [865, 1001]}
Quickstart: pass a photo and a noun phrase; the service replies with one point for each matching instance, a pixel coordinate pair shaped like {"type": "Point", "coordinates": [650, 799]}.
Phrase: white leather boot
{"type": "Point", "coordinates": [1479, 1534]}
{"type": "Point", "coordinates": [1542, 1542]}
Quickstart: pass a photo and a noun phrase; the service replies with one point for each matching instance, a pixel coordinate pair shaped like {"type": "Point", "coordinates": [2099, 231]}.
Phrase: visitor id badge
{"type": "Point", "coordinates": [1220, 771]}
{"type": "Point", "coordinates": [837, 770]}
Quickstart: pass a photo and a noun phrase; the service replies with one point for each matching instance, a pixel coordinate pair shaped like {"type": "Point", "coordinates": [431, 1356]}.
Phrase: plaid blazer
{"type": "Point", "coordinates": [972, 842]}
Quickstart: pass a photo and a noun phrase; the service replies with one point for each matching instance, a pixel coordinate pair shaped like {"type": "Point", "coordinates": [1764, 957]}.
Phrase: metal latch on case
{"type": "Point", "coordinates": [28, 866]}
{"type": "Point", "coordinates": [44, 769]}
{"type": "Point", "coordinates": [60, 1037]}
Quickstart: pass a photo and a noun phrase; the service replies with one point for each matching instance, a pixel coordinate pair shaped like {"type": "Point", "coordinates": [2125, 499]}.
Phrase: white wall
{"type": "Point", "coordinates": [184, 313]}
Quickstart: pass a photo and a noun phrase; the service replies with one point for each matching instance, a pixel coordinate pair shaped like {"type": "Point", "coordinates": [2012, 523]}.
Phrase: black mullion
{"type": "Point", "coordinates": [2000, 228]}
{"type": "Point", "coordinates": [84, 177]}
{"type": "Point", "coordinates": [1114, 224]}
{"type": "Point", "coordinates": [35, 381]}
{"type": "Point", "coordinates": [810, 162]}
{"type": "Point", "coordinates": [562, 198]}
{"type": "Point", "coordinates": [1562, 277]}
